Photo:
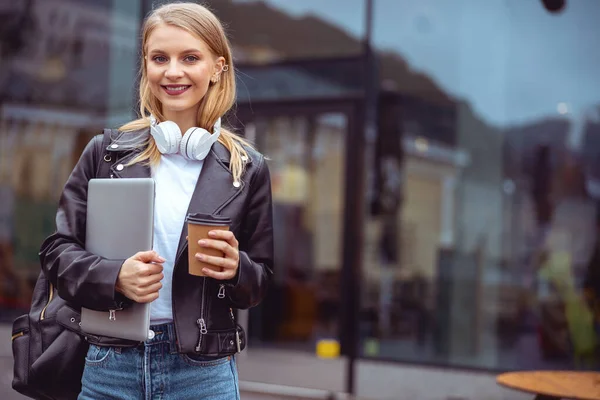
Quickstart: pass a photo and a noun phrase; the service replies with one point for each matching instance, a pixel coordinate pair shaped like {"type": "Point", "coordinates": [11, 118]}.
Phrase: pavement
{"type": "Point", "coordinates": [7, 393]}
{"type": "Point", "coordinates": [267, 374]}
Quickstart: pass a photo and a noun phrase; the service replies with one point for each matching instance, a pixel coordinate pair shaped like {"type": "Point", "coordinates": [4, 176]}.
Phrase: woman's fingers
{"type": "Point", "coordinates": [220, 245]}
{"type": "Point", "coordinates": [147, 290]}
{"type": "Point", "coordinates": [225, 242]}
{"type": "Point", "coordinates": [222, 262]}
{"type": "Point", "coordinates": [151, 279]}
{"type": "Point", "coordinates": [220, 275]}
{"type": "Point", "coordinates": [227, 236]}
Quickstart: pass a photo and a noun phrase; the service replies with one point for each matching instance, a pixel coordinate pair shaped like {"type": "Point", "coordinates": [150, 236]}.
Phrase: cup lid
{"type": "Point", "coordinates": [208, 219]}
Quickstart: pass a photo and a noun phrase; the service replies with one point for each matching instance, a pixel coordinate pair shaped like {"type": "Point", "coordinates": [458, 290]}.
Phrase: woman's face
{"type": "Point", "coordinates": [179, 67]}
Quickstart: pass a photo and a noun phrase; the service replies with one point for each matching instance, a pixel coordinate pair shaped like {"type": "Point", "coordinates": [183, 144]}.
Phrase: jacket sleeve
{"type": "Point", "coordinates": [81, 278]}
{"type": "Point", "coordinates": [250, 285]}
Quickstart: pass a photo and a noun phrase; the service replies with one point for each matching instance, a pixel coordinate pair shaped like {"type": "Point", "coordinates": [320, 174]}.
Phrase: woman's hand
{"type": "Point", "coordinates": [140, 276]}
{"type": "Point", "coordinates": [225, 242]}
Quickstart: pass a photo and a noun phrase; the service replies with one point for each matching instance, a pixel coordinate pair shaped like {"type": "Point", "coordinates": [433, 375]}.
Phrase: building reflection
{"type": "Point", "coordinates": [479, 248]}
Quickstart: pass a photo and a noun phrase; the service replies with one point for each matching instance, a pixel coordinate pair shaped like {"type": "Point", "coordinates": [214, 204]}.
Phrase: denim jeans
{"type": "Point", "coordinates": [155, 370]}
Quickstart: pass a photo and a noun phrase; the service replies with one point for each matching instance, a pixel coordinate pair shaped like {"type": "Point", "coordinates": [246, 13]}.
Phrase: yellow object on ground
{"type": "Point", "coordinates": [328, 348]}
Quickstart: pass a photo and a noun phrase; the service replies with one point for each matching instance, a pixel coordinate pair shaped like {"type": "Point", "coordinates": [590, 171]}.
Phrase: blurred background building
{"type": "Point", "coordinates": [435, 176]}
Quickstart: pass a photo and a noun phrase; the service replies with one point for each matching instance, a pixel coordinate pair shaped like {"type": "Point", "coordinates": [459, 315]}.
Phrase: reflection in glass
{"type": "Point", "coordinates": [482, 248]}
{"type": "Point", "coordinates": [497, 222]}
{"type": "Point", "coordinates": [306, 160]}
{"type": "Point", "coordinates": [67, 71]}
{"type": "Point", "coordinates": [275, 30]}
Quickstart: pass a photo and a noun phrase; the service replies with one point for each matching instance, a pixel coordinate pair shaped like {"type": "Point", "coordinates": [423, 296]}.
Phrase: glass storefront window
{"type": "Point", "coordinates": [306, 156]}
{"type": "Point", "coordinates": [67, 71]}
{"type": "Point", "coordinates": [481, 248]}
{"type": "Point", "coordinates": [275, 30]}
{"type": "Point", "coordinates": [495, 220]}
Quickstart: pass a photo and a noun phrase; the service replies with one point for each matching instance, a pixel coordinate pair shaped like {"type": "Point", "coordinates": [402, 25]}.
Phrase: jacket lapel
{"type": "Point", "coordinates": [214, 189]}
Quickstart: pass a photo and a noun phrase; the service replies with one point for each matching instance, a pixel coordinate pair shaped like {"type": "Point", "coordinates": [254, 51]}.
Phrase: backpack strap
{"type": "Point", "coordinates": [105, 158]}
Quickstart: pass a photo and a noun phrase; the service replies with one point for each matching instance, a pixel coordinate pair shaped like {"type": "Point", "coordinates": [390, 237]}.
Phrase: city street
{"type": "Point", "coordinates": [412, 190]}
{"type": "Point", "coordinates": [6, 392]}
{"type": "Point", "coordinates": [283, 374]}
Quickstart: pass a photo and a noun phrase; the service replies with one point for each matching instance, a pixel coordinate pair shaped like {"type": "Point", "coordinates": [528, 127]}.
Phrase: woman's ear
{"type": "Point", "coordinates": [219, 68]}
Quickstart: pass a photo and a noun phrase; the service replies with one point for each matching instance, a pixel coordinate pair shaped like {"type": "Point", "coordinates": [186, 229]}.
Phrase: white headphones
{"type": "Point", "coordinates": [194, 145]}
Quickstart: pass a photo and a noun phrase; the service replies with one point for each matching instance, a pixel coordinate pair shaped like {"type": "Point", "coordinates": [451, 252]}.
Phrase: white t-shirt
{"type": "Point", "coordinates": [175, 181]}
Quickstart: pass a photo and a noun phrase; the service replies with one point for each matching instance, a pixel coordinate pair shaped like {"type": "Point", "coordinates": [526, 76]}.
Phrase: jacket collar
{"type": "Point", "coordinates": [128, 141]}
{"type": "Point", "coordinates": [133, 141]}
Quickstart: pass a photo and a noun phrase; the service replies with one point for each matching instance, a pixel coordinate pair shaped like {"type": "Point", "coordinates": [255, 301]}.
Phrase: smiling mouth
{"type": "Point", "coordinates": [175, 90]}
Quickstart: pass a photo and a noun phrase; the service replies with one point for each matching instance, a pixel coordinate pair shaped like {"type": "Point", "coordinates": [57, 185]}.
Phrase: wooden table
{"type": "Point", "coordinates": [554, 385]}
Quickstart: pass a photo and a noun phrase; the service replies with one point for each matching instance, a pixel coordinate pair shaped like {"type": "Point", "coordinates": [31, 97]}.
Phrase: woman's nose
{"type": "Point", "coordinates": [174, 70]}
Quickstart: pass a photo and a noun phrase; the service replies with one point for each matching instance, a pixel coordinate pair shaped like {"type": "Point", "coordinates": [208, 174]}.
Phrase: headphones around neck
{"type": "Point", "coordinates": [194, 145]}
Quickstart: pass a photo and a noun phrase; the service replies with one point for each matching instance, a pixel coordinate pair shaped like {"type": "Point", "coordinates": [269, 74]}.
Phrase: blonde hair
{"type": "Point", "coordinates": [219, 98]}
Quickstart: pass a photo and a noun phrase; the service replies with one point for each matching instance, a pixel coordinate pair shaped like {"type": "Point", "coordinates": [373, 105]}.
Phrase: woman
{"type": "Point", "coordinates": [187, 82]}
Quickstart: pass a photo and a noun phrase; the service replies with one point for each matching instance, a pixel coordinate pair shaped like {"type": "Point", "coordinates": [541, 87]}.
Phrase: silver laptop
{"type": "Point", "coordinates": [120, 222]}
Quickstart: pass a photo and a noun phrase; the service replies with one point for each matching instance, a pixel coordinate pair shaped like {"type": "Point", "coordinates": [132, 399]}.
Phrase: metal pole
{"type": "Point", "coordinates": [357, 202]}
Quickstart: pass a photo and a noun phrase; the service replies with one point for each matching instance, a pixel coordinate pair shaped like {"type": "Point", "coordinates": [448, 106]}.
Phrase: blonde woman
{"type": "Point", "coordinates": [187, 85]}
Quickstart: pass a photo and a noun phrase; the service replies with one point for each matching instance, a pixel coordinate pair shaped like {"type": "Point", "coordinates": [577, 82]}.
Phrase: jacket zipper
{"type": "Point", "coordinates": [174, 308]}
{"type": "Point", "coordinates": [112, 314]}
{"type": "Point", "coordinates": [201, 322]}
{"type": "Point", "coordinates": [16, 335]}
{"type": "Point", "coordinates": [50, 297]}
{"type": "Point", "coordinates": [221, 294]}
{"type": "Point", "coordinates": [238, 342]}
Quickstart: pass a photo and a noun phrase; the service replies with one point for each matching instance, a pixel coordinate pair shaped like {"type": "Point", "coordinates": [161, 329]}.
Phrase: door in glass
{"type": "Point", "coordinates": [306, 158]}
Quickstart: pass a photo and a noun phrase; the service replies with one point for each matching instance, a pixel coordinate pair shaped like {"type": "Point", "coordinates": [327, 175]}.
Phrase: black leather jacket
{"type": "Point", "coordinates": [86, 280]}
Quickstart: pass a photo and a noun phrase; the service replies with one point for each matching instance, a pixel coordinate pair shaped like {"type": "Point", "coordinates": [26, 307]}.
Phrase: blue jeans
{"type": "Point", "coordinates": [155, 370]}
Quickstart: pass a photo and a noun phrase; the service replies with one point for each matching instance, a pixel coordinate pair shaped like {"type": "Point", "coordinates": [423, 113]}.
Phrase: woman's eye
{"type": "Point", "coordinates": [191, 59]}
{"type": "Point", "coordinates": [160, 59]}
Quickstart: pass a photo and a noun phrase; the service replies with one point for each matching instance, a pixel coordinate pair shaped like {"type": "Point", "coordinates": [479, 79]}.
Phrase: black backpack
{"type": "Point", "coordinates": [48, 346]}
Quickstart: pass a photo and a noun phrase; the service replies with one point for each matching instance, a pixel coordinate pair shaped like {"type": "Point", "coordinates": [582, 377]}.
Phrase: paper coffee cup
{"type": "Point", "coordinates": [198, 227]}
